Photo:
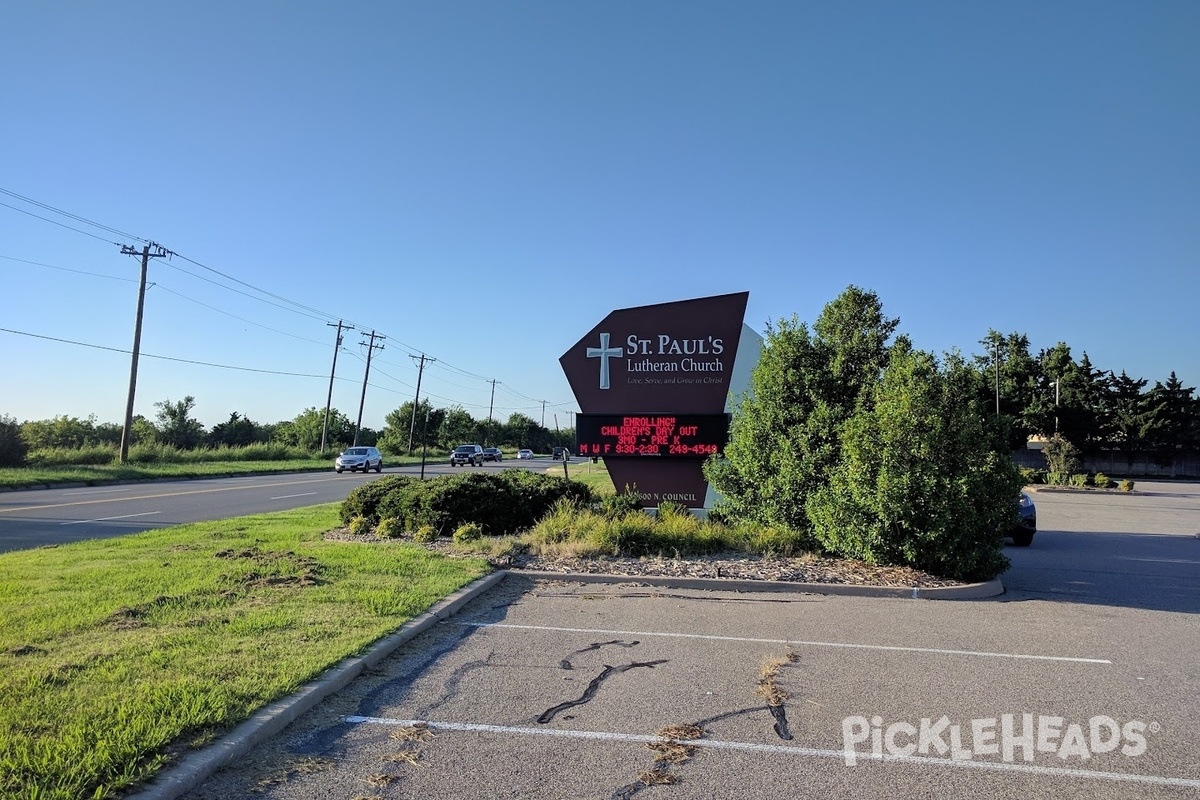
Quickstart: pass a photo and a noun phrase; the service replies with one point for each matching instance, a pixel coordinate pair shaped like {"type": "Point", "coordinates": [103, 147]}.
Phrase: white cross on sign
{"type": "Point", "coordinates": [604, 353]}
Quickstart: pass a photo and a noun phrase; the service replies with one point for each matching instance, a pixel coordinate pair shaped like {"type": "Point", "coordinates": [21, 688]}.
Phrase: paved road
{"type": "Point", "coordinates": [557, 690]}
{"type": "Point", "coordinates": [57, 516]}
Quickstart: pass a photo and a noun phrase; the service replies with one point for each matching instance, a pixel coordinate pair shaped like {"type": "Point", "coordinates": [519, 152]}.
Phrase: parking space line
{"type": "Point", "coordinates": [797, 642]}
{"type": "Point", "coordinates": [987, 766]}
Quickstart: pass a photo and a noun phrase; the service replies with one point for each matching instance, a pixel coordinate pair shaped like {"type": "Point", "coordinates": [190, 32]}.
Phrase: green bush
{"type": "Point", "coordinates": [1102, 481]}
{"type": "Point", "coordinates": [1079, 480]}
{"type": "Point", "coordinates": [670, 508]}
{"type": "Point", "coordinates": [1032, 476]}
{"type": "Point", "coordinates": [12, 447]}
{"type": "Point", "coordinates": [468, 532]}
{"type": "Point", "coordinates": [389, 528]}
{"type": "Point", "coordinates": [360, 526]}
{"type": "Point", "coordinates": [425, 534]}
{"type": "Point", "coordinates": [1126, 485]}
{"type": "Point", "coordinates": [364, 499]}
{"type": "Point", "coordinates": [1057, 478]}
{"type": "Point", "coordinates": [614, 506]}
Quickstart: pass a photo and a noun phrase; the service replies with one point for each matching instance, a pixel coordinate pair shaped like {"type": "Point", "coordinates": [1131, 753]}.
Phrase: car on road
{"type": "Point", "coordinates": [467, 454]}
{"type": "Point", "coordinates": [492, 454]}
{"type": "Point", "coordinates": [356, 458]}
{"type": "Point", "coordinates": [561, 454]}
{"type": "Point", "coordinates": [1022, 533]}
{"type": "Point", "coordinates": [524, 454]}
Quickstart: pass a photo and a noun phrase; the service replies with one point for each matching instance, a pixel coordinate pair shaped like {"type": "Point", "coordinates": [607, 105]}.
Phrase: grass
{"type": "Point", "coordinates": [117, 653]}
{"type": "Point", "coordinates": [91, 474]}
{"type": "Point", "coordinates": [594, 475]}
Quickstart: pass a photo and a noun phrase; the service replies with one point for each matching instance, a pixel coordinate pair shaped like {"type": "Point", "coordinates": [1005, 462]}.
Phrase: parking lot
{"type": "Point", "coordinates": [563, 690]}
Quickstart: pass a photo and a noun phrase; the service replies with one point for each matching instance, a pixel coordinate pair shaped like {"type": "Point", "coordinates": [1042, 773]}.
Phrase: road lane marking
{"type": "Point", "coordinates": [846, 645]}
{"type": "Point", "coordinates": [156, 496]}
{"type": "Point", "coordinates": [778, 749]}
{"type": "Point", "coordinates": [107, 519]}
{"type": "Point", "coordinates": [290, 496]}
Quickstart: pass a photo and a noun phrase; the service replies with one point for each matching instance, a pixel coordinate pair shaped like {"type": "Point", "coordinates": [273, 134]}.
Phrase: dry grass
{"type": "Point", "coordinates": [768, 676]}
{"type": "Point", "coordinates": [409, 757]}
{"type": "Point", "coordinates": [681, 732]}
{"type": "Point", "coordinates": [667, 753]}
{"type": "Point", "coordinates": [309, 765]}
{"type": "Point", "coordinates": [658, 777]}
{"type": "Point", "coordinates": [414, 733]}
{"type": "Point", "coordinates": [381, 780]}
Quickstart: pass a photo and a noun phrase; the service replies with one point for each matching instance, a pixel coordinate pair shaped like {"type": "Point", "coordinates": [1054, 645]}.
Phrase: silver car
{"type": "Point", "coordinates": [356, 458]}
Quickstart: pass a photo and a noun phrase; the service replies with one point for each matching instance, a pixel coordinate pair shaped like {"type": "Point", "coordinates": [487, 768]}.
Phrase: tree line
{"type": "Point", "coordinates": [174, 425]}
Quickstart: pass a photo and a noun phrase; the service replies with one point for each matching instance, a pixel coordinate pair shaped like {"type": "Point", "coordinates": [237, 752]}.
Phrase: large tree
{"type": "Point", "coordinates": [786, 433]}
{"type": "Point", "coordinates": [176, 426]}
{"type": "Point", "coordinates": [403, 427]}
{"type": "Point", "coordinates": [305, 430]}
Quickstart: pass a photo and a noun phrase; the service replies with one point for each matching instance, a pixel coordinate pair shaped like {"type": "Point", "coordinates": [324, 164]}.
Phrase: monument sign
{"type": "Point", "coordinates": [654, 385]}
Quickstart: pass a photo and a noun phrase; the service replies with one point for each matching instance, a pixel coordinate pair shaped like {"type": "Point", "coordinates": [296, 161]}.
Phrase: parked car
{"type": "Point", "coordinates": [467, 454]}
{"type": "Point", "coordinates": [492, 454]}
{"type": "Point", "coordinates": [356, 458]}
{"type": "Point", "coordinates": [1026, 527]}
{"type": "Point", "coordinates": [561, 454]}
{"type": "Point", "coordinates": [524, 454]}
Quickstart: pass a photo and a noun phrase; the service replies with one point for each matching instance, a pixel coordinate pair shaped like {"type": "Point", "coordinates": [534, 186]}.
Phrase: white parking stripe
{"type": "Point", "coordinates": [797, 642]}
{"type": "Point", "coordinates": [987, 766]}
{"type": "Point", "coordinates": [106, 519]}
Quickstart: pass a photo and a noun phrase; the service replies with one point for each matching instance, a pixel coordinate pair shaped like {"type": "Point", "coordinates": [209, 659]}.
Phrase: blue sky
{"type": "Point", "coordinates": [482, 182]}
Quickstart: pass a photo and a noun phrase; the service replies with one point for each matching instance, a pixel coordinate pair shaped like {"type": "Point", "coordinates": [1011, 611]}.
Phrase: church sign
{"type": "Point", "coordinates": [654, 383]}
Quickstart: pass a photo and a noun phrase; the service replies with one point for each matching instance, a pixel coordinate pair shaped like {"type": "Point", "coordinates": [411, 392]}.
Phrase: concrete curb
{"type": "Point", "coordinates": [967, 591]}
{"type": "Point", "coordinates": [198, 766]}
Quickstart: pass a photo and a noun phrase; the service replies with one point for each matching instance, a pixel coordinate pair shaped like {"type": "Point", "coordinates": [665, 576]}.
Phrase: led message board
{"type": "Point", "coordinates": [662, 435]}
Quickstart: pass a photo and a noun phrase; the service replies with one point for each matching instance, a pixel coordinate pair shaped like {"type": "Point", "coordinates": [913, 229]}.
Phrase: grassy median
{"type": "Point", "coordinates": [116, 654]}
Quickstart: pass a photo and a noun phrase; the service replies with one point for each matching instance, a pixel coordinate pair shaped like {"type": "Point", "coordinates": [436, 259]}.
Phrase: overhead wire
{"type": "Point", "coordinates": [68, 269]}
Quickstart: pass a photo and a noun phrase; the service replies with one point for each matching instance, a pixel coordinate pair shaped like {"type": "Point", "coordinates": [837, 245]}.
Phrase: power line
{"type": "Point", "coordinates": [235, 316]}
{"type": "Point", "coordinates": [68, 269]}
{"type": "Point", "coordinates": [68, 214]}
{"type": "Point", "coordinates": [60, 224]}
{"type": "Point", "coordinates": [161, 358]}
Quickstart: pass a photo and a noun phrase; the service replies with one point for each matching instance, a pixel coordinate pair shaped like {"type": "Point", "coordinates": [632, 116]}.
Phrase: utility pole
{"type": "Point", "coordinates": [492, 402]}
{"type": "Point", "coordinates": [371, 347]}
{"type": "Point", "coordinates": [416, 400]}
{"type": "Point", "coordinates": [159, 252]}
{"type": "Point", "coordinates": [332, 372]}
{"type": "Point", "coordinates": [543, 413]}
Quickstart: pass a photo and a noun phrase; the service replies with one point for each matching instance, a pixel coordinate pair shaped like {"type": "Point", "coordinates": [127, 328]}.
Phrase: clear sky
{"type": "Point", "coordinates": [483, 181]}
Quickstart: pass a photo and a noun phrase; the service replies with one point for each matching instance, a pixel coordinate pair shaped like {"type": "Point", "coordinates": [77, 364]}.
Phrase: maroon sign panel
{"type": "Point", "coordinates": [671, 361]}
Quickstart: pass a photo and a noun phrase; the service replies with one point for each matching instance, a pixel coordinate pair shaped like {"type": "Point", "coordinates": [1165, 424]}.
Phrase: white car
{"type": "Point", "coordinates": [356, 458]}
{"type": "Point", "coordinates": [524, 454]}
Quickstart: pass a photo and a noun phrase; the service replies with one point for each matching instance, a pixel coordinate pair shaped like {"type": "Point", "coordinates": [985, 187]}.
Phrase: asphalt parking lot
{"type": "Point", "coordinates": [566, 690]}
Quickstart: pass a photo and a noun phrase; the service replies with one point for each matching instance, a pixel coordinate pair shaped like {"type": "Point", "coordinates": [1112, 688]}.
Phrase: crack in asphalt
{"type": "Point", "coordinates": [566, 662]}
{"type": "Point", "coordinates": [592, 687]}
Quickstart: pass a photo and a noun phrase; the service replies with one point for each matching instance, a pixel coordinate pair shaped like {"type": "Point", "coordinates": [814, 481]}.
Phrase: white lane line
{"type": "Point", "coordinates": [106, 519]}
{"type": "Point", "coordinates": [104, 491]}
{"type": "Point", "coordinates": [290, 496]}
{"type": "Point", "coordinates": [988, 766]}
{"type": "Point", "coordinates": [847, 645]}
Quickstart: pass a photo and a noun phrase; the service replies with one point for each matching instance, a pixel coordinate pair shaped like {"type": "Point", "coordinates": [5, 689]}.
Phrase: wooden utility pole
{"type": "Point", "coordinates": [332, 372]}
{"type": "Point", "coordinates": [159, 252]}
{"type": "Point", "coordinates": [412, 424]}
{"type": "Point", "coordinates": [371, 347]}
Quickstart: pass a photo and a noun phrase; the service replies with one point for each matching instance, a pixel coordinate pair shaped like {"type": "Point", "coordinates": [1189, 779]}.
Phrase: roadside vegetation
{"type": "Point", "coordinates": [116, 653]}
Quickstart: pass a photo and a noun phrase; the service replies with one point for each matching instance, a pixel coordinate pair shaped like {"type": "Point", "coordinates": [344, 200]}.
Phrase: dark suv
{"type": "Point", "coordinates": [467, 454]}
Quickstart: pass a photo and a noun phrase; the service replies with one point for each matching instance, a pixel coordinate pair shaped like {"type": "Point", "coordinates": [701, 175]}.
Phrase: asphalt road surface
{"type": "Point", "coordinates": [57, 516]}
{"type": "Point", "coordinates": [561, 690]}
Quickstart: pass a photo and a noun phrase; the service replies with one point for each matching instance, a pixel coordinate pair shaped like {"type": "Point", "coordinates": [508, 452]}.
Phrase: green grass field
{"type": "Point", "coordinates": [115, 653]}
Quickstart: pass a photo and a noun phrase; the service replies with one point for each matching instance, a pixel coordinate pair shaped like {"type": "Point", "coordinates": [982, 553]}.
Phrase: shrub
{"type": "Point", "coordinates": [1057, 478]}
{"type": "Point", "coordinates": [389, 528]}
{"type": "Point", "coordinates": [1126, 485]}
{"type": "Point", "coordinates": [1102, 481]}
{"type": "Point", "coordinates": [669, 508]}
{"type": "Point", "coordinates": [614, 506]}
{"type": "Point", "coordinates": [1079, 480]}
{"type": "Point", "coordinates": [360, 525]}
{"type": "Point", "coordinates": [364, 500]}
{"type": "Point", "coordinates": [1061, 455]}
{"type": "Point", "coordinates": [468, 532]}
{"type": "Point", "coordinates": [425, 534]}
{"type": "Point", "coordinates": [12, 447]}
{"type": "Point", "coordinates": [1032, 476]}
